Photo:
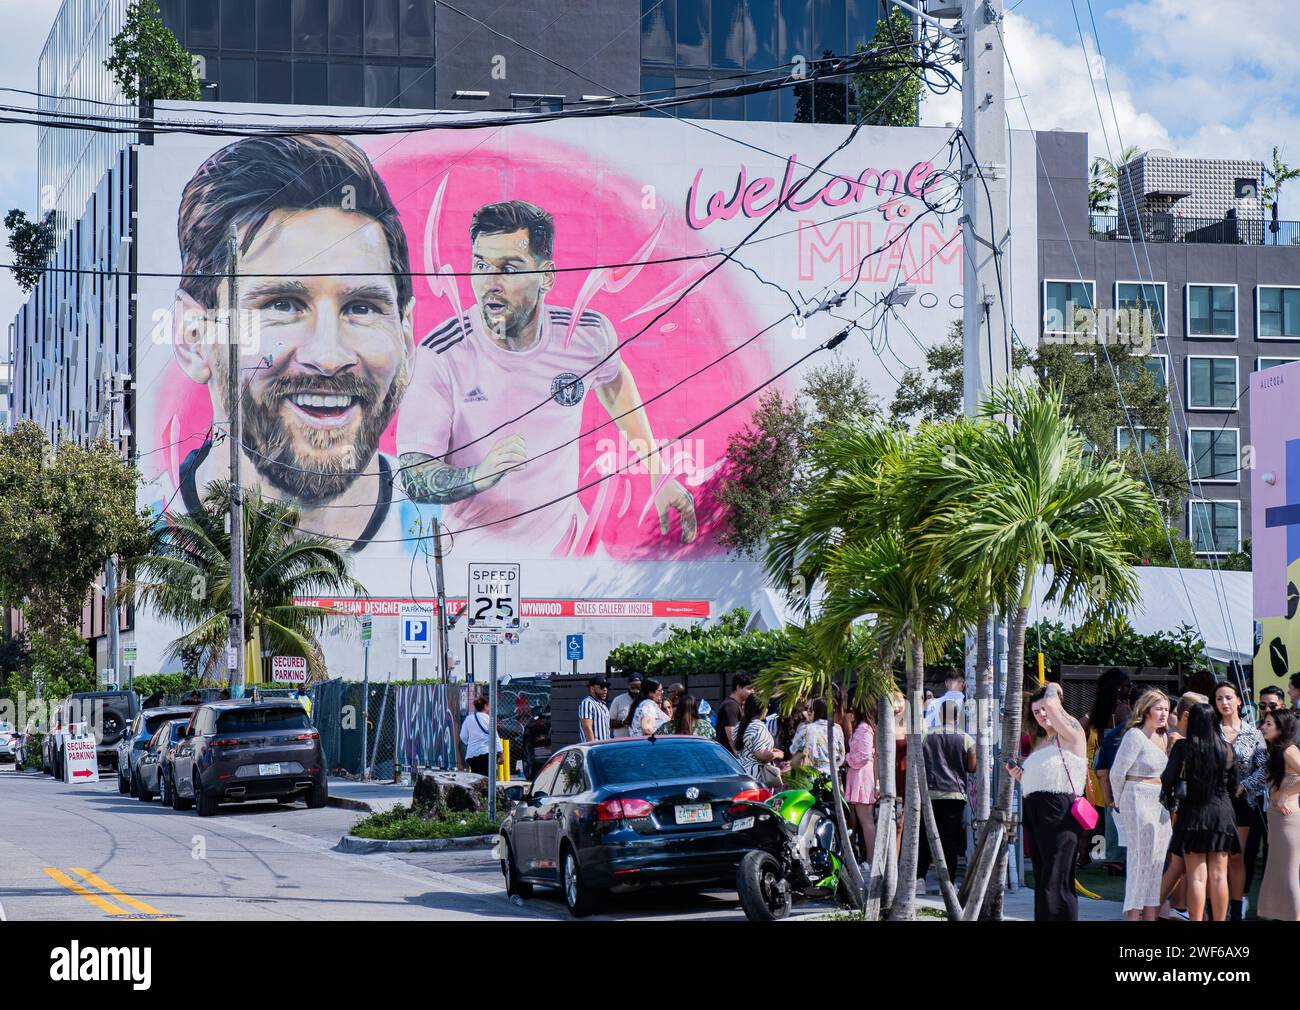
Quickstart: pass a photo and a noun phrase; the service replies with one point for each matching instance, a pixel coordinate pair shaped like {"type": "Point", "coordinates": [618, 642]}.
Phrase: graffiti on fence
{"type": "Point", "coordinates": [427, 719]}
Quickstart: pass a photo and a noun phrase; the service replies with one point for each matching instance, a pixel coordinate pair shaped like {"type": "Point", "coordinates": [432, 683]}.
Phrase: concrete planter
{"type": "Point", "coordinates": [365, 846]}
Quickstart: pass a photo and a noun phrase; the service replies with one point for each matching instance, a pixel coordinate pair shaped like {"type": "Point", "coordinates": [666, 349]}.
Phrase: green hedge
{"type": "Point", "coordinates": [406, 822]}
{"type": "Point", "coordinates": [724, 648]}
{"type": "Point", "coordinates": [167, 683]}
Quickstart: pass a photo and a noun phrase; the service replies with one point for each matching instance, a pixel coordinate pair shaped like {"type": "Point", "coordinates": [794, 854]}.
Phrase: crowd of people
{"type": "Point", "coordinates": [1181, 797]}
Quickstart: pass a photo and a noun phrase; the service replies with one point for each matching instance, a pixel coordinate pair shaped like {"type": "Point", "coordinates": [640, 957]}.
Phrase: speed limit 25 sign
{"type": "Point", "coordinates": [493, 599]}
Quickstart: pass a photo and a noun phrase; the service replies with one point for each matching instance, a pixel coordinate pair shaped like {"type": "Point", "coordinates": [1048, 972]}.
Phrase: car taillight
{"type": "Point", "coordinates": [308, 736]}
{"type": "Point", "coordinates": [613, 810]}
{"type": "Point", "coordinates": [223, 742]}
{"type": "Point", "coordinates": [759, 795]}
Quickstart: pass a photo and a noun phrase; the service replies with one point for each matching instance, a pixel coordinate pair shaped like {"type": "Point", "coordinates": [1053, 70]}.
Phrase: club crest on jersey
{"type": "Point", "coordinates": [567, 389]}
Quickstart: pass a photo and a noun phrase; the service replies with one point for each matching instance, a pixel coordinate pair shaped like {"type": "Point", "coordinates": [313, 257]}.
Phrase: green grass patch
{"type": "Point", "coordinates": [406, 822]}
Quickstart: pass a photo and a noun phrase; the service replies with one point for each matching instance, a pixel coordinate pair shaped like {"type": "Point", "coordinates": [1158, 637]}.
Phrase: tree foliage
{"type": "Point", "coordinates": [889, 96]}
{"type": "Point", "coordinates": [1103, 181]}
{"type": "Point", "coordinates": [766, 460]}
{"type": "Point", "coordinates": [66, 510]}
{"type": "Point", "coordinates": [185, 577]}
{"type": "Point", "coordinates": [147, 60]}
{"type": "Point", "coordinates": [31, 243]}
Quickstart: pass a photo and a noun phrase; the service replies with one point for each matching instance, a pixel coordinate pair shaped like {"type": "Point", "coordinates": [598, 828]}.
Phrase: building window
{"type": "Point", "coordinates": [658, 31]}
{"type": "Point", "coordinates": [418, 87]}
{"type": "Point", "coordinates": [381, 86]}
{"type": "Point", "coordinates": [1279, 313]}
{"type": "Point", "coordinates": [797, 30]}
{"type": "Point", "coordinates": [538, 103]}
{"type": "Point", "coordinates": [692, 33]}
{"type": "Point", "coordinates": [1212, 455]}
{"type": "Point", "coordinates": [1146, 298]}
{"type": "Point", "coordinates": [275, 82]}
{"type": "Point", "coordinates": [1067, 307]}
{"type": "Point", "coordinates": [274, 31]}
{"type": "Point", "coordinates": [417, 28]}
{"type": "Point", "coordinates": [345, 26]}
{"type": "Point", "coordinates": [201, 25]}
{"type": "Point", "coordinates": [310, 26]}
{"type": "Point", "coordinates": [238, 24]}
{"type": "Point", "coordinates": [728, 34]}
{"type": "Point", "coordinates": [310, 83]}
{"type": "Point", "coordinates": [1212, 310]}
{"type": "Point", "coordinates": [1158, 366]}
{"type": "Point", "coordinates": [381, 28]}
{"type": "Point", "coordinates": [347, 85]}
{"type": "Point", "coordinates": [1214, 527]}
{"type": "Point", "coordinates": [1149, 440]}
{"type": "Point", "coordinates": [1211, 383]}
{"type": "Point", "coordinates": [761, 44]}
{"type": "Point", "coordinates": [1263, 363]}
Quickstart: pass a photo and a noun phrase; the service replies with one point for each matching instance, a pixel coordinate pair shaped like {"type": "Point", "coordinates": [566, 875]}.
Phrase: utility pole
{"type": "Point", "coordinates": [442, 601]}
{"type": "Point", "coordinates": [986, 328]}
{"type": "Point", "coordinates": [110, 566]}
{"type": "Point", "coordinates": [236, 658]}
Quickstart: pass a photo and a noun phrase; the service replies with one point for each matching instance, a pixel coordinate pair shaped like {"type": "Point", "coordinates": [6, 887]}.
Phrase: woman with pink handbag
{"type": "Point", "coordinates": [1053, 809]}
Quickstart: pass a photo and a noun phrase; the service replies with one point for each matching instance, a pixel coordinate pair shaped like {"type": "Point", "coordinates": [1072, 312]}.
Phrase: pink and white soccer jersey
{"type": "Point", "coordinates": [466, 385]}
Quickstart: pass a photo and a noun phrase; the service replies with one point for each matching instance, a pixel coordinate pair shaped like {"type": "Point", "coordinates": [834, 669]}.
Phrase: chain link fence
{"type": "Point", "coordinates": [418, 726]}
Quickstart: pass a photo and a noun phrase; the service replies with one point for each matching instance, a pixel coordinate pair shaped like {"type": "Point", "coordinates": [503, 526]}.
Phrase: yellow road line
{"type": "Point", "coordinates": [98, 901]}
{"type": "Point", "coordinates": [109, 889]}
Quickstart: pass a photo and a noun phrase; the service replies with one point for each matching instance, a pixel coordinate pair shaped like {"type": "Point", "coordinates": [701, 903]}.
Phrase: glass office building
{"type": "Point", "coordinates": [371, 53]}
{"type": "Point", "coordinates": [688, 43]}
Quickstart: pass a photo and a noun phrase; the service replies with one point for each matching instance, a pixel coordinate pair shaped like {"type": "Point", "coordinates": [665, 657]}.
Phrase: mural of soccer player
{"type": "Point", "coordinates": [328, 295]}
{"type": "Point", "coordinates": [510, 352]}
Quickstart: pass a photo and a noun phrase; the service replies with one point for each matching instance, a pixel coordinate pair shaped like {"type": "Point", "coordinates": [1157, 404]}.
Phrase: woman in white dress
{"type": "Point", "coordinates": [1144, 823]}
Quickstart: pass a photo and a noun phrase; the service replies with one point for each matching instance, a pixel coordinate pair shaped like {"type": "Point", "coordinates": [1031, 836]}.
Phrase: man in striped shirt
{"type": "Point", "coordinates": [593, 716]}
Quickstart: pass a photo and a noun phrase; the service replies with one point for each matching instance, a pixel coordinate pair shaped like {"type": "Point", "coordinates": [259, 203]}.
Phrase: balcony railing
{"type": "Point", "coordinates": [1160, 227]}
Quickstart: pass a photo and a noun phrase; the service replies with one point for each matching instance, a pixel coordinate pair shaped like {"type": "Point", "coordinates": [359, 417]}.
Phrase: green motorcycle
{"type": "Point", "coordinates": [797, 851]}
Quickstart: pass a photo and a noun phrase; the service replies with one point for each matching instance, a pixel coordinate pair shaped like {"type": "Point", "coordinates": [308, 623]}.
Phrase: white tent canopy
{"type": "Point", "coordinates": [1216, 605]}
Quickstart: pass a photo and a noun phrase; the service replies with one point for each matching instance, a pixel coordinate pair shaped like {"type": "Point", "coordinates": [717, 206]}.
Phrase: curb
{"type": "Point", "coordinates": [347, 803]}
{"type": "Point", "coordinates": [366, 846]}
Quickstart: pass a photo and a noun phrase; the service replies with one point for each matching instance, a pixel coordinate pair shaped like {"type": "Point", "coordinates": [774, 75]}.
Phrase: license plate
{"type": "Point", "coordinates": [742, 824]}
{"type": "Point", "coordinates": [268, 769]}
{"type": "Point", "coordinates": [694, 813]}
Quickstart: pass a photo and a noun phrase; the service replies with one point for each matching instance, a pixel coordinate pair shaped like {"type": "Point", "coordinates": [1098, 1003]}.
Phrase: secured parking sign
{"type": "Point", "coordinates": [417, 630]}
{"type": "Point", "coordinates": [493, 595]}
{"type": "Point", "coordinates": [80, 762]}
{"type": "Point", "coordinates": [289, 669]}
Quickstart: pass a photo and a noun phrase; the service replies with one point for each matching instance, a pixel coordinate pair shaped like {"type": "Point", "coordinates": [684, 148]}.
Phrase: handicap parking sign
{"type": "Point", "coordinates": [573, 646]}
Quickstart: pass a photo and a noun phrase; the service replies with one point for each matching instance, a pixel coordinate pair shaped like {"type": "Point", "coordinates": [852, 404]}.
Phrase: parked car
{"type": "Point", "coordinates": [628, 812]}
{"type": "Point", "coordinates": [109, 714]}
{"type": "Point", "coordinates": [132, 743]}
{"type": "Point", "coordinates": [29, 742]}
{"type": "Point", "coordinates": [234, 751]}
{"type": "Point", "coordinates": [8, 742]}
{"type": "Point", "coordinates": [536, 743]}
{"type": "Point", "coordinates": [153, 764]}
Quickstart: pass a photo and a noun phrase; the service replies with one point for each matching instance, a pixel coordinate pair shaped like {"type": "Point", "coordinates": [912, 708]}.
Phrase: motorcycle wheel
{"type": "Point", "coordinates": [763, 893]}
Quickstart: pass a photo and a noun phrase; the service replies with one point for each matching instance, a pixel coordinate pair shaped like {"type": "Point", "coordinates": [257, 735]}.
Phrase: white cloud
{"type": "Point", "coordinates": [1057, 91]}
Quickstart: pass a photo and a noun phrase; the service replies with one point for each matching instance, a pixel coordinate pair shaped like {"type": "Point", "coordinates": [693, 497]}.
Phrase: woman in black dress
{"type": "Point", "coordinates": [1205, 833]}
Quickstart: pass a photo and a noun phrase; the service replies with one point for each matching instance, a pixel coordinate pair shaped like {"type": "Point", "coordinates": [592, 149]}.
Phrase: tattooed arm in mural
{"type": "Point", "coordinates": [428, 479]}
{"type": "Point", "coordinates": [622, 399]}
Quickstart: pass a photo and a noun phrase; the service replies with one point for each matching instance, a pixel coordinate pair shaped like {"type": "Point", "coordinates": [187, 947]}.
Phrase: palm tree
{"type": "Point", "coordinates": [1020, 498]}
{"type": "Point", "coordinates": [1103, 180]}
{"type": "Point", "coordinates": [853, 531]}
{"type": "Point", "coordinates": [185, 578]}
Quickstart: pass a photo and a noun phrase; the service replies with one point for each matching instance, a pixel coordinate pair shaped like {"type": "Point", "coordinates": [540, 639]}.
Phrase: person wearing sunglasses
{"type": "Point", "coordinates": [1271, 699]}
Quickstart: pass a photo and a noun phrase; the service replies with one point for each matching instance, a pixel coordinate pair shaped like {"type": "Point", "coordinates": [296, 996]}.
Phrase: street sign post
{"type": "Point", "coordinates": [289, 669]}
{"type": "Point", "coordinates": [493, 595]}
{"type": "Point", "coordinates": [493, 604]}
{"type": "Point", "coordinates": [367, 623]}
{"type": "Point", "coordinates": [573, 649]}
{"type": "Point", "coordinates": [417, 630]}
{"type": "Point", "coordinates": [490, 637]}
{"type": "Point", "coordinates": [367, 627]}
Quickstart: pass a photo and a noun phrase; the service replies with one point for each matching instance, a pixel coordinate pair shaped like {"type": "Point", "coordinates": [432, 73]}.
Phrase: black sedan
{"type": "Point", "coordinates": [154, 766]}
{"type": "Point", "coordinates": [626, 813]}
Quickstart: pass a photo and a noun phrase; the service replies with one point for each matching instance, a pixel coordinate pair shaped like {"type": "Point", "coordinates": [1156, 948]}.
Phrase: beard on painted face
{"type": "Point", "coordinates": [311, 435]}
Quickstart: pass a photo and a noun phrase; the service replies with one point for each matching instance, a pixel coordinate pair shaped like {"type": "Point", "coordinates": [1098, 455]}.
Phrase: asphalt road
{"type": "Point", "coordinates": [85, 852]}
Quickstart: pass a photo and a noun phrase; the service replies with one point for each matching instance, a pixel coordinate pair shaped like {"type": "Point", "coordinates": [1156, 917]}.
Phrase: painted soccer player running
{"type": "Point", "coordinates": [508, 353]}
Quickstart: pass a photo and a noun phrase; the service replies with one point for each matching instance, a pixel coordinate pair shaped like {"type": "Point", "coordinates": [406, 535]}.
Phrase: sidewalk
{"type": "Point", "coordinates": [1018, 906]}
{"type": "Point", "coordinates": [368, 797]}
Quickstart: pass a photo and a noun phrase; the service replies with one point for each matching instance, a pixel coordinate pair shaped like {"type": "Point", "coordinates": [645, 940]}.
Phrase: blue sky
{"type": "Point", "coordinates": [1196, 78]}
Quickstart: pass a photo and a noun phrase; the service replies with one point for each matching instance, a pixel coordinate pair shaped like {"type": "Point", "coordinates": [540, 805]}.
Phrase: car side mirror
{"type": "Point", "coordinates": [515, 793]}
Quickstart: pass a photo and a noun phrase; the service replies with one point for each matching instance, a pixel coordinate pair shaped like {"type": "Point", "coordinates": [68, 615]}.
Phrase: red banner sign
{"type": "Point", "coordinates": [390, 607]}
